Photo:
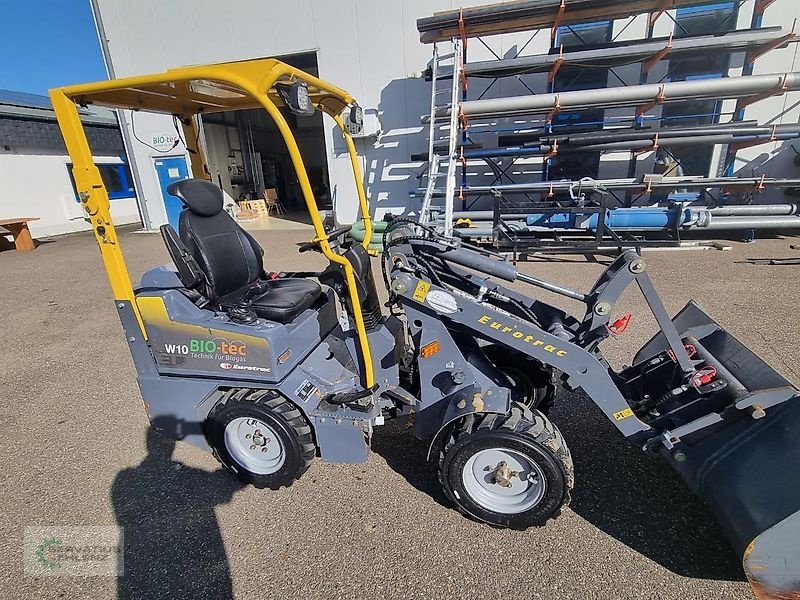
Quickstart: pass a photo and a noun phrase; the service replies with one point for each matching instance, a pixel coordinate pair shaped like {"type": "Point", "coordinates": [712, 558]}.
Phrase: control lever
{"type": "Point", "coordinates": [243, 312]}
{"type": "Point", "coordinates": [330, 236]}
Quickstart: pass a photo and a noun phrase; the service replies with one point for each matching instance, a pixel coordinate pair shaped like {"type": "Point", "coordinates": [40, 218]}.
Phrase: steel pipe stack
{"type": "Point", "coordinates": [633, 95]}
{"type": "Point", "coordinates": [643, 219]}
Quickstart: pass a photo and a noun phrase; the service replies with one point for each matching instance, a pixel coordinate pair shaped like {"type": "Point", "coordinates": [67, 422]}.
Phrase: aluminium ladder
{"type": "Point", "coordinates": [435, 162]}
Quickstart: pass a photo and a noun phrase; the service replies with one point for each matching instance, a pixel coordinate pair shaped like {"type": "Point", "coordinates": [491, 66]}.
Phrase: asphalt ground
{"type": "Point", "coordinates": [75, 452]}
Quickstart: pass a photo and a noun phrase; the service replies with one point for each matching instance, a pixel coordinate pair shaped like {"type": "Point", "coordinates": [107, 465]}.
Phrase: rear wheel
{"type": "Point", "coordinates": [510, 470]}
{"type": "Point", "coordinates": [260, 437]}
{"type": "Point", "coordinates": [532, 381]}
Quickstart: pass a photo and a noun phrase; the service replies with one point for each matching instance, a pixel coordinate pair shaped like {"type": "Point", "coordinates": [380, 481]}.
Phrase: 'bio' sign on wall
{"type": "Point", "coordinates": [165, 141]}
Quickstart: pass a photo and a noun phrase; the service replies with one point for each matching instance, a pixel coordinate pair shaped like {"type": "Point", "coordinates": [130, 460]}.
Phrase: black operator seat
{"type": "Point", "coordinates": [231, 259]}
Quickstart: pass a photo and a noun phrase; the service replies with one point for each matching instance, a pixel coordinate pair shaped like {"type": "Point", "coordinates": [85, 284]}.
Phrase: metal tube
{"type": "Point", "coordinates": [486, 215]}
{"type": "Point", "coordinates": [681, 141]}
{"type": "Point", "coordinates": [626, 134]}
{"type": "Point", "coordinates": [509, 17]}
{"type": "Point", "coordinates": [728, 87]}
{"type": "Point", "coordinates": [689, 182]}
{"type": "Point", "coordinates": [754, 222]}
{"type": "Point", "coordinates": [468, 258]}
{"type": "Point", "coordinates": [626, 52]}
{"type": "Point", "coordinates": [552, 287]}
{"type": "Point", "coordinates": [753, 210]}
{"type": "Point", "coordinates": [721, 211]}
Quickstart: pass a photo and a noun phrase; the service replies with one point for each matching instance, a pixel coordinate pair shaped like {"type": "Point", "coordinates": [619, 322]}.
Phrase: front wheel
{"type": "Point", "coordinates": [260, 437]}
{"type": "Point", "coordinates": [510, 470]}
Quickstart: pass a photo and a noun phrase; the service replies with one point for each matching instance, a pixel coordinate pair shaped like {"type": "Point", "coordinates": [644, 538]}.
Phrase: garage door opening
{"type": "Point", "coordinates": [249, 160]}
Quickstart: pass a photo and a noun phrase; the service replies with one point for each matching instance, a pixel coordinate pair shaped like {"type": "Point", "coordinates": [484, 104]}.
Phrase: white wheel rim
{"type": "Point", "coordinates": [254, 446]}
{"type": "Point", "coordinates": [524, 480]}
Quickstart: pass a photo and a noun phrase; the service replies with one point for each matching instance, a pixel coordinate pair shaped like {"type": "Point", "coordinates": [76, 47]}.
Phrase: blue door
{"type": "Point", "coordinates": [169, 169]}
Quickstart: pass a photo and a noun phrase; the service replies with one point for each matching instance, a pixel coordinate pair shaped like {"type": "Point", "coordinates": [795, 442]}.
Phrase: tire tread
{"type": "Point", "coordinates": [275, 402]}
{"type": "Point", "coordinates": [523, 421]}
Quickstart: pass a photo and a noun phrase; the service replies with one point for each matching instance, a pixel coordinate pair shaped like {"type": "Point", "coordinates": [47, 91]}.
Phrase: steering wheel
{"type": "Point", "coordinates": [336, 233]}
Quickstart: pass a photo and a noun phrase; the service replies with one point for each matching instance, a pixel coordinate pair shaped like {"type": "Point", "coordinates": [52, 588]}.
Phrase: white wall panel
{"type": "Point", "coordinates": [175, 31]}
{"type": "Point", "coordinates": [115, 36]}
{"type": "Point", "coordinates": [252, 28]}
{"type": "Point", "coordinates": [139, 31]}
{"type": "Point", "coordinates": [38, 185]}
{"type": "Point", "coordinates": [214, 32]}
{"type": "Point", "coordinates": [293, 26]}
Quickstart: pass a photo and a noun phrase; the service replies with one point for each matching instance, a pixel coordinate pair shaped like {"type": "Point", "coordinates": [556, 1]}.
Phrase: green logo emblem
{"type": "Point", "coordinates": [41, 553]}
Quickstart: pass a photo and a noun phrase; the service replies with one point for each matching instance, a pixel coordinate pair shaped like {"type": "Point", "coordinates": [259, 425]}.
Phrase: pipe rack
{"type": "Point", "coordinates": [524, 15]}
{"type": "Point", "coordinates": [632, 184]}
{"type": "Point", "coordinates": [754, 86]}
{"type": "Point", "coordinates": [479, 116]}
{"type": "Point", "coordinates": [747, 40]}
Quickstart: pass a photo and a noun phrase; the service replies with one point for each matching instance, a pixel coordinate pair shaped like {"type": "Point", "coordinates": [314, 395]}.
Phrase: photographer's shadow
{"type": "Point", "coordinates": [173, 547]}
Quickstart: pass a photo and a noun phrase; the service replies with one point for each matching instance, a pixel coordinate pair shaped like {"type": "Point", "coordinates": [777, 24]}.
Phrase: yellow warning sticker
{"type": "Point", "coordinates": [623, 414]}
{"type": "Point", "coordinates": [422, 291]}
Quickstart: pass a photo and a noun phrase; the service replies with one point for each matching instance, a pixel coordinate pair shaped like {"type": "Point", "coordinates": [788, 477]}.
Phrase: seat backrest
{"type": "Point", "coordinates": [228, 256]}
{"type": "Point", "coordinates": [189, 272]}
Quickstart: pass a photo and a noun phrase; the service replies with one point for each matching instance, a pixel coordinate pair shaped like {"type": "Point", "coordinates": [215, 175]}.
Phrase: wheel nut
{"type": "Point", "coordinates": [247, 436]}
{"type": "Point", "coordinates": [263, 449]}
{"type": "Point", "coordinates": [253, 447]}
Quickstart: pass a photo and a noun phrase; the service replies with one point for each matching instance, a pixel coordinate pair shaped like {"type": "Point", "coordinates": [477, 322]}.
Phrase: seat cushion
{"type": "Point", "coordinates": [283, 300]}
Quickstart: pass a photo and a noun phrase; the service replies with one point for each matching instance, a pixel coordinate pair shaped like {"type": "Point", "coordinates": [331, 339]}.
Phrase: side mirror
{"type": "Point", "coordinates": [355, 120]}
{"type": "Point", "coordinates": [295, 97]}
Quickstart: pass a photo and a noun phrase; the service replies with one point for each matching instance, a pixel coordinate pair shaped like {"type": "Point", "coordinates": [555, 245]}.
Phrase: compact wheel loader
{"type": "Point", "coordinates": [268, 370]}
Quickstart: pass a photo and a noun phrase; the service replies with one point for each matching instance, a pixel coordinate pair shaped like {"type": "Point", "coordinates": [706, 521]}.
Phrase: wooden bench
{"type": "Point", "coordinates": [19, 229]}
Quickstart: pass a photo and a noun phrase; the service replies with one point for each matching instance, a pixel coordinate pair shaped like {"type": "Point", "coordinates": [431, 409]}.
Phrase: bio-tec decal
{"type": "Point", "coordinates": [213, 349]}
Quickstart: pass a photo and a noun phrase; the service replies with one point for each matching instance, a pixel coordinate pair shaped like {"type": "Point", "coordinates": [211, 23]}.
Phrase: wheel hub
{"type": "Point", "coordinates": [254, 445]}
{"type": "Point", "coordinates": [502, 474]}
{"type": "Point", "coordinates": [504, 480]}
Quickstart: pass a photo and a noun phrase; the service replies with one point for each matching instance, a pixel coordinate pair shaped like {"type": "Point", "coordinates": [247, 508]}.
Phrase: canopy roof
{"type": "Point", "coordinates": [207, 89]}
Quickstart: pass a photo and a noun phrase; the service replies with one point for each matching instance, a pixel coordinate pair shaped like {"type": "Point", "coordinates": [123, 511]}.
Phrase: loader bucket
{"type": "Point", "coordinates": [746, 466]}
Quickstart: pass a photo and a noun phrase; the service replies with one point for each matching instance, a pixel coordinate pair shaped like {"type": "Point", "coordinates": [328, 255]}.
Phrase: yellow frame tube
{"type": "Point", "coordinates": [94, 197]}
{"type": "Point", "coordinates": [311, 203]}
{"type": "Point", "coordinates": [250, 77]}
{"type": "Point", "coordinates": [362, 196]}
{"type": "Point", "coordinates": [191, 133]}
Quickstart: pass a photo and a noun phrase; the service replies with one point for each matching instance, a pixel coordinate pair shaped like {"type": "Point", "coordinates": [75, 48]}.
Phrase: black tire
{"type": "Point", "coordinates": [533, 380]}
{"type": "Point", "coordinates": [285, 420]}
{"type": "Point", "coordinates": [523, 431]}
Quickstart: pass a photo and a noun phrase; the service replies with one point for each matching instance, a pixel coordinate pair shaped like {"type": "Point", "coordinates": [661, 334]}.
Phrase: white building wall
{"type": "Point", "coordinates": [36, 184]}
{"type": "Point", "coordinates": [370, 48]}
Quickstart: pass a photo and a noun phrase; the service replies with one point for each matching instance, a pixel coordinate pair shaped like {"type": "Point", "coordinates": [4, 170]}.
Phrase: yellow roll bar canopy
{"type": "Point", "coordinates": [187, 93]}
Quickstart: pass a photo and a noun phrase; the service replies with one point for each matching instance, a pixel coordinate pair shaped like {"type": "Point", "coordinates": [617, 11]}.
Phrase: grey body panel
{"type": "Point", "coordinates": [306, 360]}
